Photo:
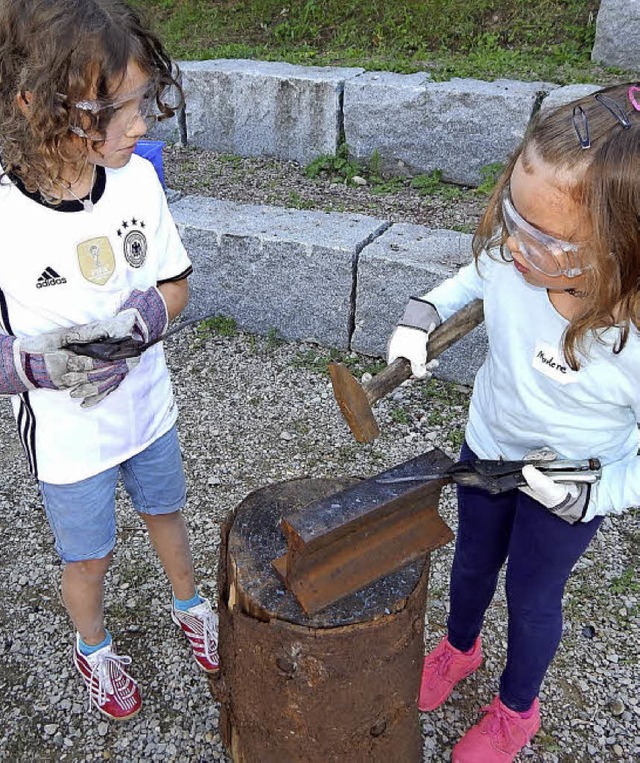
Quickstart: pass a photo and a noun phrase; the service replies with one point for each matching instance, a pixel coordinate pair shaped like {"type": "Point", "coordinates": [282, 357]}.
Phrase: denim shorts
{"type": "Point", "coordinates": [82, 514]}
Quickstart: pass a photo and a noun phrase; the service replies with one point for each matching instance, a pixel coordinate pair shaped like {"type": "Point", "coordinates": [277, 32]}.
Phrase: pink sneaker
{"type": "Point", "coordinates": [200, 626]}
{"type": "Point", "coordinates": [499, 736]}
{"type": "Point", "coordinates": [111, 689]}
{"type": "Point", "coordinates": [443, 668]}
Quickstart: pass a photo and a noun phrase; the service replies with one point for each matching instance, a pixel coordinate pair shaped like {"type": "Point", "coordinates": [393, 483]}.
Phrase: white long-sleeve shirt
{"type": "Point", "coordinates": [525, 395]}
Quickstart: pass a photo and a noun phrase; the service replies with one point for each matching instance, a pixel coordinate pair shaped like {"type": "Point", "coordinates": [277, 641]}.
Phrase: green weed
{"type": "Point", "coordinates": [218, 324]}
{"type": "Point", "coordinates": [274, 339]}
{"type": "Point", "coordinates": [456, 438]}
{"type": "Point", "coordinates": [432, 184]}
{"type": "Point", "coordinates": [490, 174]}
{"type": "Point", "coordinates": [627, 583]}
{"type": "Point", "coordinates": [319, 359]}
{"type": "Point", "coordinates": [338, 167]}
{"type": "Point", "coordinates": [400, 416]}
{"type": "Point", "coordinates": [463, 227]}
{"type": "Point", "coordinates": [296, 201]}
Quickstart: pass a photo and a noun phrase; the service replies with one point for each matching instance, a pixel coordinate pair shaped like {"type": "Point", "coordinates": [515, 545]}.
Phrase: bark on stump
{"type": "Point", "coordinates": [340, 685]}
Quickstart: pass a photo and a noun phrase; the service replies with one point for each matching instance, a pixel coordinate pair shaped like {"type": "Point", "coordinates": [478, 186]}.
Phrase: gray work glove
{"type": "Point", "coordinates": [98, 378]}
{"type": "Point", "coordinates": [409, 340]}
{"type": "Point", "coordinates": [149, 311]}
{"type": "Point", "coordinates": [567, 501]}
{"type": "Point", "coordinates": [115, 327]}
{"type": "Point", "coordinates": [42, 363]}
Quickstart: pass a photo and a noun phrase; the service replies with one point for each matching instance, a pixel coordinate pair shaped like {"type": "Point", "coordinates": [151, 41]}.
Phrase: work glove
{"type": "Point", "coordinates": [149, 311]}
{"type": "Point", "coordinates": [41, 362]}
{"type": "Point", "coordinates": [46, 364]}
{"type": "Point", "coordinates": [144, 316]}
{"type": "Point", "coordinates": [567, 501]}
{"type": "Point", "coordinates": [409, 340]}
{"type": "Point", "coordinates": [98, 378]}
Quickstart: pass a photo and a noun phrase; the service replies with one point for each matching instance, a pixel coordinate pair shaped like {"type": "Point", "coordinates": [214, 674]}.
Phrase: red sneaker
{"type": "Point", "coordinates": [443, 668]}
{"type": "Point", "coordinates": [200, 625]}
{"type": "Point", "coordinates": [111, 689]}
{"type": "Point", "coordinates": [499, 736]}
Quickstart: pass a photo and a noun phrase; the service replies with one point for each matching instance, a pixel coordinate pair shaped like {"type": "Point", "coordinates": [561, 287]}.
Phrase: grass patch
{"type": "Point", "coordinates": [318, 359]}
{"type": "Point", "coordinates": [548, 39]}
{"type": "Point", "coordinates": [627, 583]}
{"type": "Point", "coordinates": [338, 168]}
{"type": "Point", "coordinates": [432, 184]}
{"type": "Point", "coordinates": [222, 325]}
{"type": "Point", "coordinates": [400, 416]}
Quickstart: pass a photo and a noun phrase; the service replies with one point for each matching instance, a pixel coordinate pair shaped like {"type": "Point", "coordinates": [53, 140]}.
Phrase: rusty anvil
{"type": "Point", "coordinates": [343, 542]}
{"type": "Point", "coordinates": [339, 544]}
{"type": "Point", "coordinates": [355, 399]}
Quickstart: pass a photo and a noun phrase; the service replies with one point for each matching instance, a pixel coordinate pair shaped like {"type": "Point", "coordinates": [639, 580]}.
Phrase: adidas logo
{"type": "Point", "coordinates": [49, 277]}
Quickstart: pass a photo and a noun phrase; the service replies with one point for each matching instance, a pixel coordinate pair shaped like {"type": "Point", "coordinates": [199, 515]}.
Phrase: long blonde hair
{"type": "Point", "coordinates": [59, 52]}
{"type": "Point", "coordinates": [607, 185]}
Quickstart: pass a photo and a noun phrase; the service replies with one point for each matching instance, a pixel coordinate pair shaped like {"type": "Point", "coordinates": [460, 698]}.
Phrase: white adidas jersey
{"type": "Point", "coordinates": [64, 266]}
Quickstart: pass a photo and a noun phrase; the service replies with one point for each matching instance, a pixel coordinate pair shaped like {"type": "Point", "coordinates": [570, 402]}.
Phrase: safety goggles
{"type": "Point", "coordinates": [545, 253]}
{"type": "Point", "coordinates": [117, 116]}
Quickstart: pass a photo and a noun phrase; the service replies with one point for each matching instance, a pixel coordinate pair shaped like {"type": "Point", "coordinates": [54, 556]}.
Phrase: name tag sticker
{"type": "Point", "coordinates": [548, 360]}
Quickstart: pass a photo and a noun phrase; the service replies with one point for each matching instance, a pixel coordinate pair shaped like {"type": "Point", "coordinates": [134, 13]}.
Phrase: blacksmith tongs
{"type": "Point", "coordinates": [499, 476]}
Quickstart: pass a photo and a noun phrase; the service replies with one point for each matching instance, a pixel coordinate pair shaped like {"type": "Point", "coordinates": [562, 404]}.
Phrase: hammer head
{"type": "Point", "coordinates": [353, 403]}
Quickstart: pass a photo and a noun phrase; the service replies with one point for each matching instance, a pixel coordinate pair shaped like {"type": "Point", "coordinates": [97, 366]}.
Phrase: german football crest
{"type": "Point", "coordinates": [134, 242]}
{"type": "Point", "coordinates": [135, 248]}
{"type": "Point", "coordinates": [96, 259]}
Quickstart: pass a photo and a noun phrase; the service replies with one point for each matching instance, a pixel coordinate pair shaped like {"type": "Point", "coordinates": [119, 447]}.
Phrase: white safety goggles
{"type": "Point", "coordinates": [545, 253]}
{"type": "Point", "coordinates": [118, 115]}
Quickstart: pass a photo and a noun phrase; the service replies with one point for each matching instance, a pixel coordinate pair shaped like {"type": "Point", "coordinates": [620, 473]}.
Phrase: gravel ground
{"type": "Point", "coordinates": [255, 411]}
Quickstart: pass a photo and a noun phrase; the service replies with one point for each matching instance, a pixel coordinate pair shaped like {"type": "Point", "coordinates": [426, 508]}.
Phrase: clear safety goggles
{"type": "Point", "coordinates": [119, 115]}
{"type": "Point", "coordinates": [545, 253]}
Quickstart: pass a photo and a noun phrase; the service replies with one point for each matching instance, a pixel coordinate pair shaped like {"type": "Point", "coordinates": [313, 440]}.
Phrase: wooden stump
{"type": "Point", "coordinates": [340, 685]}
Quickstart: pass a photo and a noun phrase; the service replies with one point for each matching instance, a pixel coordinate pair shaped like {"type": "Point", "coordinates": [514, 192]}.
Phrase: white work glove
{"type": "Point", "coordinates": [409, 340]}
{"type": "Point", "coordinates": [567, 501]}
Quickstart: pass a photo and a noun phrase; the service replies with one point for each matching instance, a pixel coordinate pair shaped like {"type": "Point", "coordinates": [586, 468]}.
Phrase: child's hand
{"type": "Point", "coordinates": [46, 364]}
{"type": "Point", "coordinates": [116, 326]}
{"type": "Point", "coordinates": [411, 343]}
{"type": "Point", "coordinates": [410, 338]}
{"type": "Point", "coordinates": [148, 311]}
{"type": "Point", "coordinates": [98, 378]}
{"type": "Point", "coordinates": [567, 501]}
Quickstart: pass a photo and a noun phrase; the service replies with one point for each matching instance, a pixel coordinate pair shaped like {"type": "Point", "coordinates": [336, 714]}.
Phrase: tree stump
{"type": "Point", "coordinates": [340, 685]}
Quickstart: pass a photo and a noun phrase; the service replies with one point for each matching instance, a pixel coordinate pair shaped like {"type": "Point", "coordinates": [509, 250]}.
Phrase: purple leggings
{"type": "Point", "coordinates": [542, 550]}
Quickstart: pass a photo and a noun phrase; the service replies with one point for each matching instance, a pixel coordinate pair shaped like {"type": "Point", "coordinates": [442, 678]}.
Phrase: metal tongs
{"type": "Point", "coordinates": [118, 348]}
{"type": "Point", "coordinates": [500, 476]}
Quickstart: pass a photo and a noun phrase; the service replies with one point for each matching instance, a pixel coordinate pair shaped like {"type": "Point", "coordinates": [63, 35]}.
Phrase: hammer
{"type": "Point", "coordinates": [355, 399]}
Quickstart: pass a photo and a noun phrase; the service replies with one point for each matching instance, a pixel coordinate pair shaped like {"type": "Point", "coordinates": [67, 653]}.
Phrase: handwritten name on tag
{"type": "Point", "coordinates": [548, 360]}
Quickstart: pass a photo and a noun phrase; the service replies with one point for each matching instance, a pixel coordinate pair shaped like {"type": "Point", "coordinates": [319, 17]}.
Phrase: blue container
{"type": "Point", "coordinates": [152, 150]}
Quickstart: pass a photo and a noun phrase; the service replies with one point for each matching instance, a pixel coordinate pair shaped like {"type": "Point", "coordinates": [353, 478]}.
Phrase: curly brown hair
{"type": "Point", "coordinates": [54, 53]}
{"type": "Point", "coordinates": [607, 185]}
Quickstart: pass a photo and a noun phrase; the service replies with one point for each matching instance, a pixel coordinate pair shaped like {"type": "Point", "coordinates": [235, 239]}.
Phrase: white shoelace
{"type": "Point", "coordinates": [100, 676]}
{"type": "Point", "coordinates": [210, 634]}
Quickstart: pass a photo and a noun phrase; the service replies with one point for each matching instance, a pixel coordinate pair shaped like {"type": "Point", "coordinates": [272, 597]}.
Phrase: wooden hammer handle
{"type": "Point", "coordinates": [441, 339]}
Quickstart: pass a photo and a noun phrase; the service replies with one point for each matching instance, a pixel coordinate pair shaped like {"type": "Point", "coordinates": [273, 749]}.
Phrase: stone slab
{"type": "Point", "coordinates": [409, 260]}
{"type": "Point", "coordinates": [567, 94]}
{"type": "Point", "coordinates": [617, 40]}
{"type": "Point", "coordinates": [418, 126]}
{"type": "Point", "coordinates": [264, 108]}
{"type": "Point", "coordinates": [271, 268]}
